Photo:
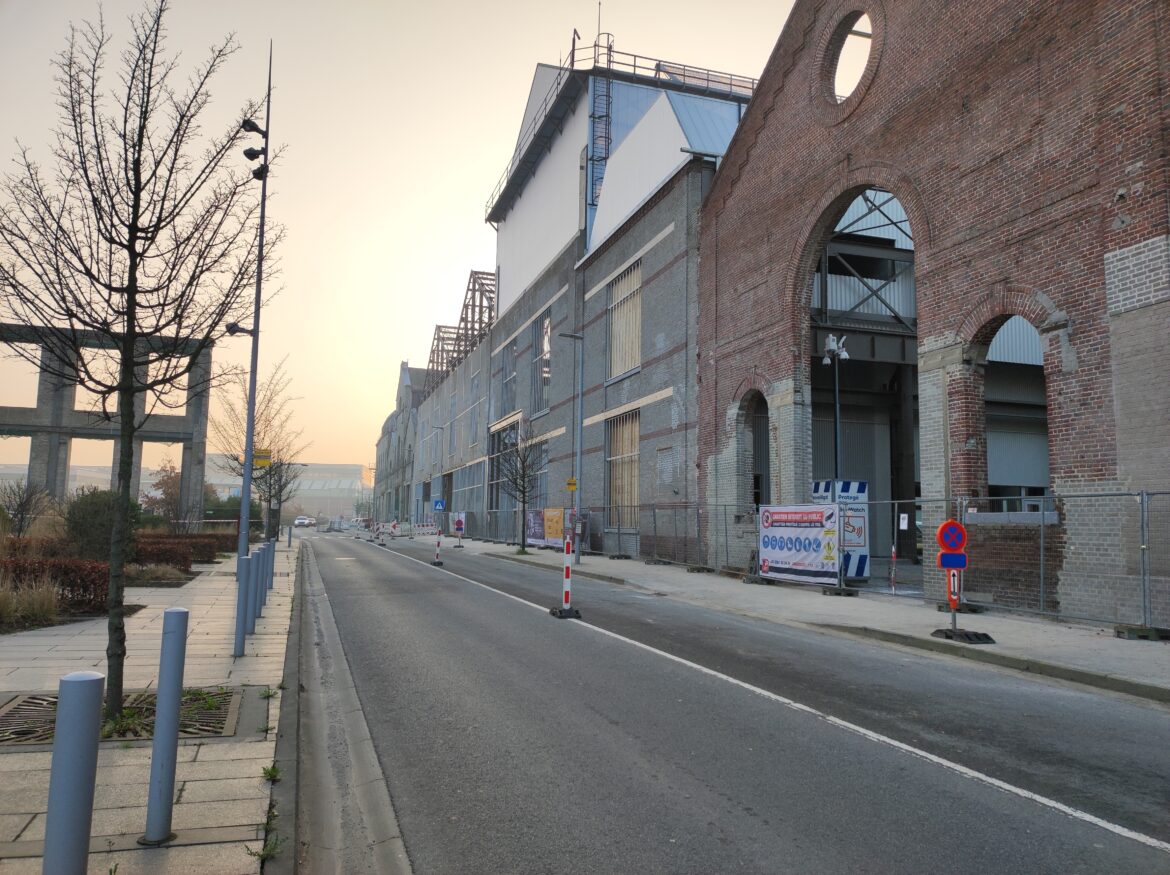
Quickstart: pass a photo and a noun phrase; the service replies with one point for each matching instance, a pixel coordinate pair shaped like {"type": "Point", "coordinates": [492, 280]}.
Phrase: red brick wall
{"type": "Point", "coordinates": [1008, 129]}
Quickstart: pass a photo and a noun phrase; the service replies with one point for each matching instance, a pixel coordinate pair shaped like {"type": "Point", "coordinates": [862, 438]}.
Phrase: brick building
{"type": "Point", "coordinates": [991, 160]}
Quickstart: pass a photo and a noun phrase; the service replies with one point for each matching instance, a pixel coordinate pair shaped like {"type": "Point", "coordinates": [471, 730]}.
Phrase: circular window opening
{"type": "Point", "coordinates": [855, 38]}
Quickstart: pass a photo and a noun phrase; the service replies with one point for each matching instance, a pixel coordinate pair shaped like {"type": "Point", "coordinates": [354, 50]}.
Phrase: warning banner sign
{"type": "Point", "coordinates": [799, 543]}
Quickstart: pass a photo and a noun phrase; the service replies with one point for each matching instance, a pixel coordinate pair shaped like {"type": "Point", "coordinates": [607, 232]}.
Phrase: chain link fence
{"type": "Point", "coordinates": [1100, 557]}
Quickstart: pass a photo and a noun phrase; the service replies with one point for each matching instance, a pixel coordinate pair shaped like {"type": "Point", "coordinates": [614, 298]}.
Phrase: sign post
{"type": "Point", "coordinates": [460, 522]}
{"type": "Point", "coordinates": [951, 537]}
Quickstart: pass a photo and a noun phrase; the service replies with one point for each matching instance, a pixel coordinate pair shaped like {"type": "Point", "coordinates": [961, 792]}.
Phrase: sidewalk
{"type": "Point", "coordinates": [1080, 652]}
{"type": "Point", "coordinates": [221, 799]}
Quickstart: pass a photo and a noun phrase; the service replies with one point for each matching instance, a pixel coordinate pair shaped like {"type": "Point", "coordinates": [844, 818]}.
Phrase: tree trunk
{"type": "Point", "coordinates": [120, 542]}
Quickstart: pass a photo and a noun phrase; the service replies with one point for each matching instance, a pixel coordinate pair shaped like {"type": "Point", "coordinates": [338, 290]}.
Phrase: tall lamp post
{"type": "Point", "coordinates": [579, 339]}
{"type": "Point", "coordinates": [260, 173]}
{"type": "Point", "coordinates": [835, 353]}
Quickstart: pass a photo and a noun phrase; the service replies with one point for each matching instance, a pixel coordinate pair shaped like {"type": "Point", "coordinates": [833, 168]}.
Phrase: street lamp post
{"type": "Point", "coordinates": [579, 339]}
{"type": "Point", "coordinates": [835, 353]}
{"type": "Point", "coordinates": [260, 173]}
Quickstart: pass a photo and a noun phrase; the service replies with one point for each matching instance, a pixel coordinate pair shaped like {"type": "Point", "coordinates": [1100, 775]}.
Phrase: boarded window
{"type": "Point", "coordinates": [622, 435]}
{"type": "Point", "coordinates": [541, 361]}
{"type": "Point", "coordinates": [625, 321]}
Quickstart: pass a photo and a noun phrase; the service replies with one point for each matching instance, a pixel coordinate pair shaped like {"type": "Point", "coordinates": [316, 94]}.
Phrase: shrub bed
{"type": "Point", "coordinates": [156, 551]}
{"type": "Point", "coordinates": [35, 548]}
{"type": "Point", "coordinates": [202, 548]}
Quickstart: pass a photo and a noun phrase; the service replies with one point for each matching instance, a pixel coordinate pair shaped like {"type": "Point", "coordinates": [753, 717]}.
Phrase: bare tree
{"type": "Point", "coordinates": [274, 431]}
{"type": "Point", "coordinates": [24, 502]}
{"type": "Point", "coordinates": [517, 467]}
{"type": "Point", "coordinates": [141, 240]}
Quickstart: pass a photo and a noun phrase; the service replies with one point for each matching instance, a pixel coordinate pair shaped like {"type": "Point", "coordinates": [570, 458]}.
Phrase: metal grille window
{"type": "Point", "coordinates": [622, 434]}
{"type": "Point", "coordinates": [625, 321]}
{"type": "Point", "coordinates": [501, 442]}
{"type": "Point", "coordinates": [508, 387]}
{"type": "Point", "coordinates": [451, 428]}
{"type": "Point", "coordinates": [541, 361]}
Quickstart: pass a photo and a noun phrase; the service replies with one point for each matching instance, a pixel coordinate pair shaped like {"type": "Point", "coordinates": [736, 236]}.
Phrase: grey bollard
{"type": "Point", "coordinates": [261, 589]}
{"type": "Point", "coordinates": [250, 585]}
{"type": "Point", "coordinates": [164, 749]}
{"type": "Point", "coordinates": [73, 773]}
{"type": "Point", "coordinates": [241, 605]}
{"type": "Point", "coordinates": [271, 564]}
{"type": "Point", "coordinates": [290, 537]}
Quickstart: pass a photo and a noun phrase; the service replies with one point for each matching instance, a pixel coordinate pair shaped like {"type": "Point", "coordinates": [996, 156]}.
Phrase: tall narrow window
{"type": "Point", "coordinates": [473, 412]}
{"type": "Point", "coordinates": [761, 468]}
{"type": "Point", "coordinates": [508, 387]}
{"type": "Point", "coordinates": [451, 428]}
{"type": "Point", "coordinates": [541, 361]}
{"type": "Point", "coordinates": [625, 321]}
{"type": "Point", "coordinates": [621, 446]}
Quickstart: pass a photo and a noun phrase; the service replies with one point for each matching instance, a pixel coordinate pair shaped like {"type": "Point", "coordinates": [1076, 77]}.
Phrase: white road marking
{"type": "Point", "coordinates": [877, 737]}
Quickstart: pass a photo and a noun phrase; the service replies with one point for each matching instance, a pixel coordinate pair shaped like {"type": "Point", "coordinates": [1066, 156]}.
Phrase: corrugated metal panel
{"type": "Point", "coordinates": [877, 224]}
{"type": "Point", "coordinates": [1017, 341]}
{"type": "Point", "coordinates": [1018, 457]}
{"type": "Point", "coordinates": [708, 124]}
{"type": "Point", "coordinates": [845, 292]}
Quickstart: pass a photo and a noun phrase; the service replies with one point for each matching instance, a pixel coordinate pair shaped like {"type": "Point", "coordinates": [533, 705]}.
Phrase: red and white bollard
{"type": "Point", "coordinates": [566, 611]}
{"type": "Point", "coordinates": [438, 544]}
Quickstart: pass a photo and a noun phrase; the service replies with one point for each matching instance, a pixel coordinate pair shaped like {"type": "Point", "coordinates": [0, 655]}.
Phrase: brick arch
{"type": "Point", "coordinates": [989, 312]}
{"type": "Point", "coordinates": [753, 382]}
{"type": "Point", "coordinates": [819, 221]}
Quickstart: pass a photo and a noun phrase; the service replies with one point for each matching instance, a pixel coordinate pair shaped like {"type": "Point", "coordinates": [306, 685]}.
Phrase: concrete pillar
{"type": "Point", "coordinates": [48, 462]}
{"type": "Point", "coordinates": [194, 463]}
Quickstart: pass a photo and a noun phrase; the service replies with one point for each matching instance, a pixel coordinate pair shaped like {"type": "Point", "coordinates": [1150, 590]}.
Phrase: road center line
{"type": "Point", "coordinates": [876, 737]}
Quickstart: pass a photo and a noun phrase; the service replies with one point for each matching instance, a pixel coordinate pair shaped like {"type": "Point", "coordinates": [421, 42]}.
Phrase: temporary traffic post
{"type": "Point", "coordinates": [438, 544]}
{"type": "Point", "coordinates": [952, 539]}
{"type": "Point", "coordinates": [565, 610]}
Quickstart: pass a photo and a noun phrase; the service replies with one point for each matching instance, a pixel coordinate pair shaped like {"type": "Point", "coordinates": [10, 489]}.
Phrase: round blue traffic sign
{"type": "Point", "coordinates": [951, 536]}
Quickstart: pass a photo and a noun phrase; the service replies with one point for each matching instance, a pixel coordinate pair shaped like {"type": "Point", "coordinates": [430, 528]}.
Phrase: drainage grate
{"type": "Point", "coordinates": [964, 635]}
{"type": "Point", "coordinates": [30, 719]}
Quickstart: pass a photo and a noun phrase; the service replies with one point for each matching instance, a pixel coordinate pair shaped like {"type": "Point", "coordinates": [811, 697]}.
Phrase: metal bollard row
{"type": "Point", "coordinates": [254, 578]}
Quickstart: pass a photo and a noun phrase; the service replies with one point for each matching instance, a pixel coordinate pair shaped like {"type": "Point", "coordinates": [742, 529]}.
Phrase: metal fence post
{"type": "Point", "coordinates": [164, 749]}
{"type": "Point", "coordinates": [727, 543]}
{"type": "Point", "coordinates": [73, 773]}
{"type": "Point", "coordinates": [1147, 605]}
{"type": "Point", "coordinates": [271, 564]}
{"type": "Point", "coordinates": [1043, 582]}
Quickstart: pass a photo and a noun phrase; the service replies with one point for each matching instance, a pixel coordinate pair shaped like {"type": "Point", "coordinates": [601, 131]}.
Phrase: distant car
{"type": "Point", "coordinates": [301, 521]}
{"type": "Point", "coordinates": [312, 521]}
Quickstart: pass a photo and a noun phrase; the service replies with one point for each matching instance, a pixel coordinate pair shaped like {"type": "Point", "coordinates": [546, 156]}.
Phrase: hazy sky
{"type": "Point", "coordinates": [396, 121]}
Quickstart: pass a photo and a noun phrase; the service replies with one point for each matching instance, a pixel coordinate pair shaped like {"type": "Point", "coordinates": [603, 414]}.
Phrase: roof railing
{"type": "Point", "coordinates": [603, 56]}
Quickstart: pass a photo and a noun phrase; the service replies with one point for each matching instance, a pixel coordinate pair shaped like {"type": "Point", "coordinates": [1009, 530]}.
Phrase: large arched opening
{"type": "Point", "coordinates": [863, 368]}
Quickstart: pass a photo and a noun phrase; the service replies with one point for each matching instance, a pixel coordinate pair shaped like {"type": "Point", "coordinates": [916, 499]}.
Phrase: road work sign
{"type": "Point", "coordinates": [799, 543]}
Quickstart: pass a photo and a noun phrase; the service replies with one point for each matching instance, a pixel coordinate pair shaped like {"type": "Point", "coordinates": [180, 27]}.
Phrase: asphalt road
{"type": "Point", "coordinates": [656, 736]}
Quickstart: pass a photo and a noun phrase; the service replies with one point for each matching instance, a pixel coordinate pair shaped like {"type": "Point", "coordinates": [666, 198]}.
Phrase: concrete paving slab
{"type": "Point", "coordinates": [12, 825]}
{"type": "Point", "coordinates": [259, 749]}
{"type": "Point", "coordinates": [226, 789]}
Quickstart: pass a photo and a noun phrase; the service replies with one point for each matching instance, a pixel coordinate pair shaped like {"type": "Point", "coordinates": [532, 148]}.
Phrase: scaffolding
{"type": "Point", "coordinates": [454, 343]}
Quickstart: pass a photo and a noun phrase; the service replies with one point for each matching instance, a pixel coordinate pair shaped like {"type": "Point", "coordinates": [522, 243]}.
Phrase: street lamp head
{"type": "Point", "coordinates": [260, 172]}
{"type": "Point", "coordinates": [826, 361]}
{"type": "Point", "coordinates": [252, 153]}
{"type": "Point", "coordinates": [252, 128]}
{"type": "Point", "coordinates": [234, 328]}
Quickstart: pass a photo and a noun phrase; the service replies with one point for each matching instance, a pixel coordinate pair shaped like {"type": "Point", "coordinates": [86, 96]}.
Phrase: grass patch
{"type": "Point", "coordinates": [271, 773]}
{"type": "Point", "coordinates": [27, 606]}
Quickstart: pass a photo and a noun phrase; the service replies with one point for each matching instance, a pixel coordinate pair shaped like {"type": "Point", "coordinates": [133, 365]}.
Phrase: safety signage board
{"type": "Point", "coordinates": [440, 505]}
{"type": "Point", "coordinates": [853, 496]}
{"type": "Point", "coordinates": [799, 543]}
{"type": "Point", "coordinates": [571, 484]}
{"type": "Point", "coordinates": [459, 522]}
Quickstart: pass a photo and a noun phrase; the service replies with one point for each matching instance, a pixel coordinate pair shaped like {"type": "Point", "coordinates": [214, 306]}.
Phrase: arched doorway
{"type": "Point", "coordinates": [1016, 419]}
{"type": "Point", "coordinates": [756, 452]}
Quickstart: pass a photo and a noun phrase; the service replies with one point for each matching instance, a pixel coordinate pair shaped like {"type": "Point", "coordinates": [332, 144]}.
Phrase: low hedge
{"type": "Point", "coordinates": [83, 585]}
{"type": "Point", "coordinates": [156, 551]}
{"type": "Point", "coordinates": [204, 547]}
{"type": "Point", "coordinates": [35, 548]}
